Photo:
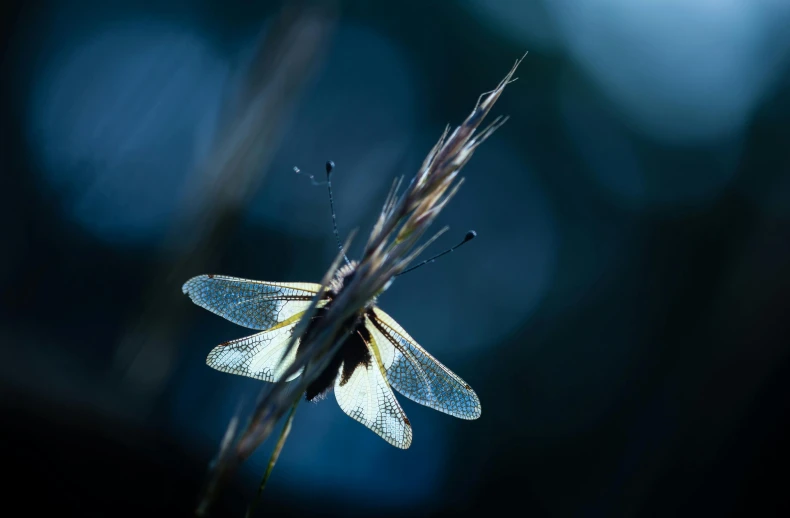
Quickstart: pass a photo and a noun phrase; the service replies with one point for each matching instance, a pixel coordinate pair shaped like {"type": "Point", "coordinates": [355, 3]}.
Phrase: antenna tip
{"type": "Point", "coordinates": [329, 166]}
{"type": "Point", "coordinates": [470, 236]}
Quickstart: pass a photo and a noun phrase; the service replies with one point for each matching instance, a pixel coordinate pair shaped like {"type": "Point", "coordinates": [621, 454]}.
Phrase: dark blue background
{"type": "Point", "coordinates": [622, 314]}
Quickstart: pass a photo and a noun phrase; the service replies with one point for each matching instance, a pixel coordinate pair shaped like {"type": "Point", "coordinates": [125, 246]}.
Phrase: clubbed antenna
{"type": "Point", "coordinates": [330, 166]}
{"type": "Point", "coordinates": [468, 237]}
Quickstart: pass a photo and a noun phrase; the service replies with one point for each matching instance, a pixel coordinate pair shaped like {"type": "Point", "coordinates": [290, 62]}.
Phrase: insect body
{"type": "Point", "coordinates": [376, 357]}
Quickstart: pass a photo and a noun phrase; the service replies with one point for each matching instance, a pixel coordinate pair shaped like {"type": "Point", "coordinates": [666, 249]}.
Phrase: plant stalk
{"type": "Point", "coordinates": [275, 455]}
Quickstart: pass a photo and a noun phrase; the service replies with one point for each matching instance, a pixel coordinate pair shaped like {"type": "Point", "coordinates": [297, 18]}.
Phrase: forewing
{"type": "Point", "coordinates": [413, 372]}
{"type": "Point", "coordinates": [258, 356]}
{"type": "Point", "coordinates": [367, 397]}
{"type": "Point", "coordinates": [248, 303]}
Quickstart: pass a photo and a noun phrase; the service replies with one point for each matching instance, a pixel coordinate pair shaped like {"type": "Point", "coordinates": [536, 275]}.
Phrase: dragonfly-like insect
{"type": "Point", "coordinates": [376, 357]}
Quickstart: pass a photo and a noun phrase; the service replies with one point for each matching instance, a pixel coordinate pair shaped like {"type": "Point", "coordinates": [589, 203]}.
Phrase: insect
{"type": "Point", "coordinates": [376, 357]}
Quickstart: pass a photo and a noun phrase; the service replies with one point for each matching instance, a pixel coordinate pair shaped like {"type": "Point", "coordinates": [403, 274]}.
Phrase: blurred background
{"type": "Point", "coordinates": [623, 314]}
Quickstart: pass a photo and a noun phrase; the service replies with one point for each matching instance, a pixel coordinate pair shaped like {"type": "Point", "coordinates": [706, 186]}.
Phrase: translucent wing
{"type": "Point", "coordinates": [253, 304]}
{"type": "Point", "coordinates": [368, 398]}
{"type": "Point", "coordinates": [418, 375]}
{"type": "Point", "coordinates": [257, 356]}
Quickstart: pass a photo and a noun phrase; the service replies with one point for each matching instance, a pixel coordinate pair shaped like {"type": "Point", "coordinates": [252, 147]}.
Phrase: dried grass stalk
{"type": "Point", "coordinates": [392, 245]}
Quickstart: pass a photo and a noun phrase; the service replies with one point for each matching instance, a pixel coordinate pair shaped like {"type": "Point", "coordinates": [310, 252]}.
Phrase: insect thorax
{"type": "Point", "coordinates": [354, 353]}
{"type": "Point", "coordinates": [342, 278]}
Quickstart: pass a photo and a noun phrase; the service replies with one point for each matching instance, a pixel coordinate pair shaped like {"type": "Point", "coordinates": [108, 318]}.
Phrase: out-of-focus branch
{"type": "Point", "coordinates": [222, 186]}
{"type": "Point", "coordinates": [392, 245]}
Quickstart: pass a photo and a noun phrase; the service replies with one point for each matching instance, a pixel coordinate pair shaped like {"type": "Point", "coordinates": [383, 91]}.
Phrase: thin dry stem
{"type": "Point", "coordinates": [392, 245]}
{"type": "Point", "coordinates": [278, 448]}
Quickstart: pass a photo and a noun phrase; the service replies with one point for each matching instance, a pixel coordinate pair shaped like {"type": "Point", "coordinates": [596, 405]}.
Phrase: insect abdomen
{"type": "Point", "coordinates": [353, 353]}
